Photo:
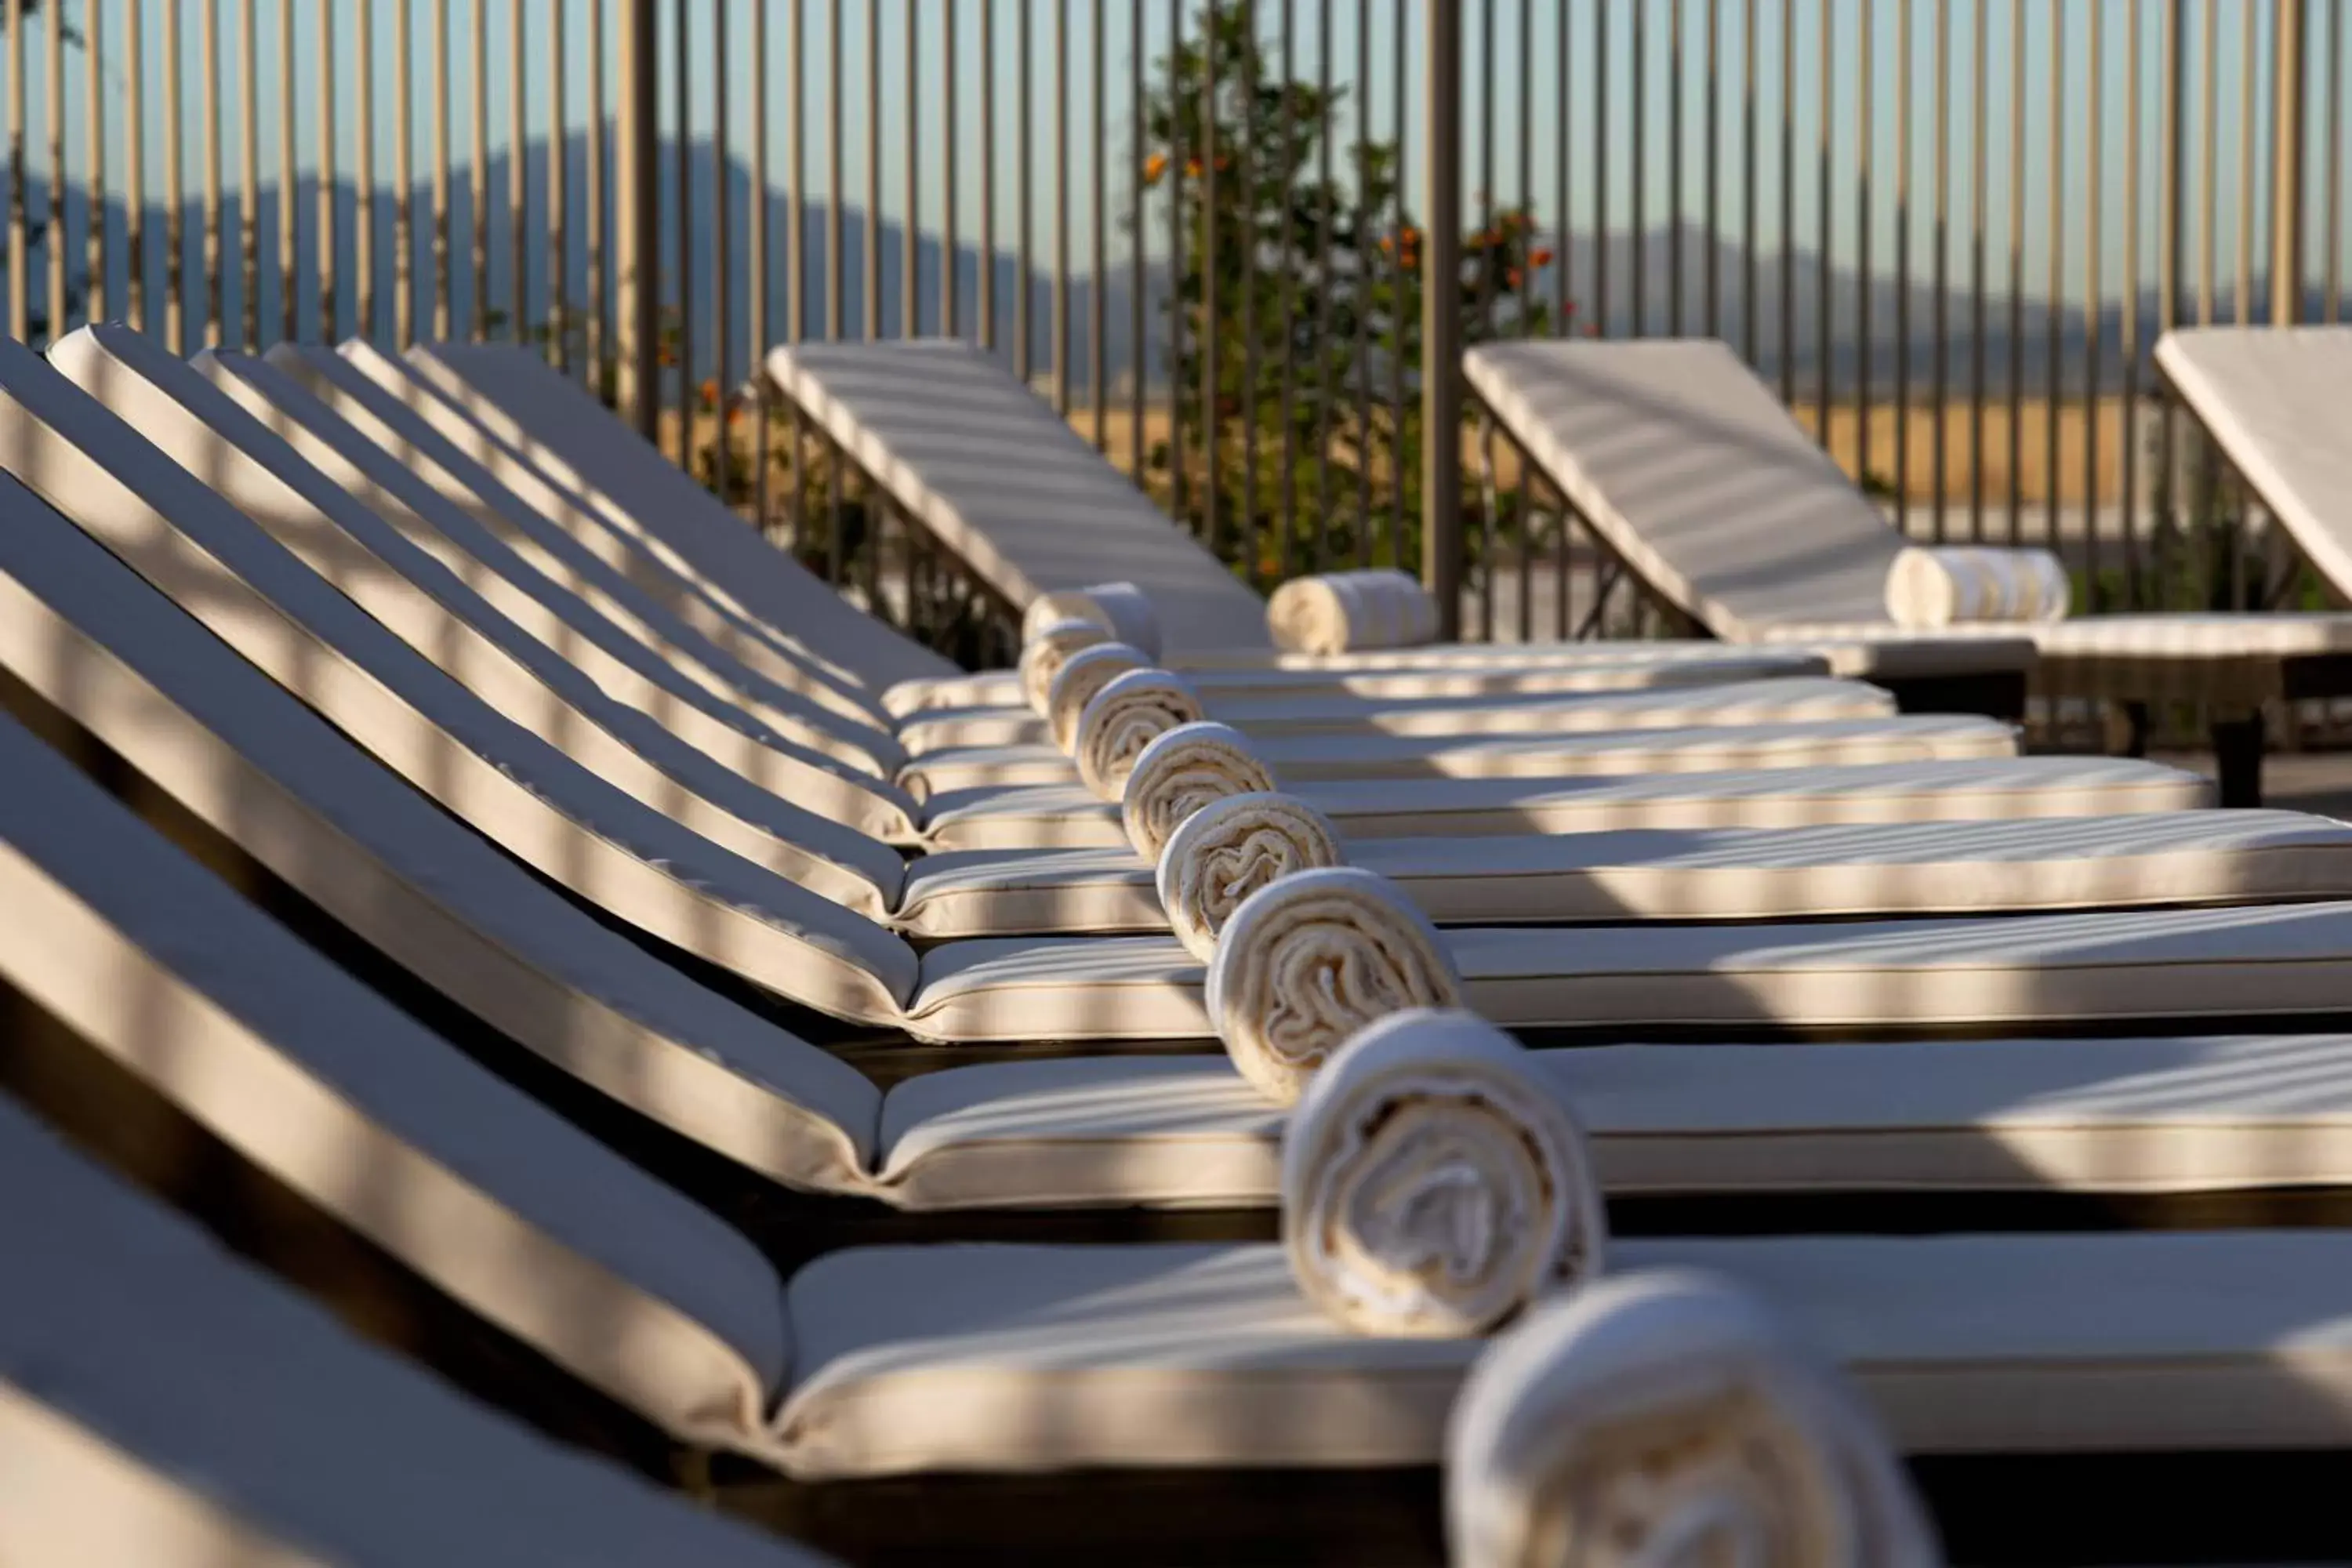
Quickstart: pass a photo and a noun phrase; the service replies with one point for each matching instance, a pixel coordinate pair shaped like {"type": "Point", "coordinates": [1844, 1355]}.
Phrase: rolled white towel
{"type": "Point", "coordinates": [1310, 959]}
{"type": "Point", "coordinates": [1181, 772]}
{"type": "Point", "coordinates": [1122, 609]}
{"type": "Point", "coordinates": [1942, 586]}
{"type": "Point", "coordinates": [1043, 656]}
{"type": "Point", "coordinates": [1432, 1185]}
{"type": "Point", "coordinates": [1083, 674]}
{"type": "Point", "coordinates": [1341, 612]}
{"type": "Point", "coordinates": [1126, 715]}
{"type": "Point", "coordinates": [1222, 854]}
{"type": "Point", "coordinates": [1667, 1417]}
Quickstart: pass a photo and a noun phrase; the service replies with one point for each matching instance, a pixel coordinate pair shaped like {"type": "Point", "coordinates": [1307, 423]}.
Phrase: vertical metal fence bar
{"type": "Point", "coordinates": [593, 173]}
{"type": "Point", "coordinates": [1565, 248]}
{"type": "Point", "coordinates": [1244, 156]}
{"type": "Point", "coordinates": [2054, 306]}
{"type": "Point", "coordinates": [1903, 270]}
{"type": "Point", "coordinates": [1361, 359]}
{"type": "Point", "coordinates": [2287, 39]}
{"type": "Point", "coordinates": [1058, 304]}
{"type": "Point", "coordinates": [1712, 313]}
{"type": "Point", "coordinates": [723, 242]}
{"type": "Point", "coordinates": [478, 235]}
{"type": "Point", "coordinates": [1139, 181]}
{"type": "Point", "coordinates": [1940, 224]}
{"type": "Point", "coordinates": [1025, 269]}
{"type": "Point", "coordinates": [639, 216]}
{"type": "Point", "coordinates": [558, 177]}
{"type": "Point", "coordinates": [1788, 202]}
{"type": "Point", "coordinates": [1979, 111]}
{"type": "Point", "coordinates": [2092, 291]}
{"type": "Point", "coordinates": [690, 400]}
{"type": "Point", "coordinates": [94, 232]}
{"type": "Point", "coordinates": [2016, 236]}
{"type": "Point", "coordinates": [1637, 180]}
{"type": "Point", "coordinates": [835, 250]}
{"type": "Point", "coordinates": [1211, 435]}
{"type": "Point", "coordinates": [20, 298]}
{"type": "Point", "coordinates": [987, 193]}
{"type": "Point", "coordinates": [910, 233]}
{"type": "Point", "coordinates": [1523, 246]}
{"type": "Point", "coordinates": [1098, 254]}
{"type": "Point", "coordinates": [950, 150]}
{"type": "Point", "coordinates": [175, 304]}
{"type": "Point", "coordinates": [1401, 20]}
{"type": "Point", "coordinates": [2170, 254]}
{"type": "Point", "coordinates": [1489, 501]}
{"type": "Point", "coordinates": [870, 289]}
{"type": "Point", "coordinates": [1600, 170]}
{"type": "Point", "coordinates": [1326, 220]}
{"type": "Point", "coordinates": [404, 155]}
{"type": "Point", "coordinates": [248, 134]}
{"type": "Point", "coordinates": [2129, 316]}
{"type": "Point", "coordinates": [1824, 324]}
{"type": "Point", "coordinates": [2249, 122]}
{"type": "Point", "coordinates": [212, 242]}
{"type": "Point", "coordinates": [326, 194]}
{"type": "Point", "coordinates": [1441, 324]}
{"type": "Point", "coordinates": [797, 244]}
{"type": "Point", "coordinates": [2209, 129]}
{"type": "Point", "coordinates": [1177, 240]}
{"type": "Point", "coordinates": [1674, 187]}
{"type": "Point", "coordinates": [1865, 130]}
{"type": "Point", "coordinates": [2333, 176]}
{"type": "Point", "coordinates": [54, 246]}
{"type": "Point", "coordinates": [1287, 463]}
{"type": "Point", "coordinates": [1747, 174]}
{"type": "Point", "coordinates": [759, 285]}
{"type": "Point", "coordinates": [442, 280]}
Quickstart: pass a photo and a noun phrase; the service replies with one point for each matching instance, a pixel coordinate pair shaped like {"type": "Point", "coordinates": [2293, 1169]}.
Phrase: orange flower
{"type": "Point", "coordinates": [1511, 276]}
{"type": "Point", "coordinates": [1540, 256]}
{"type": "Point", "coordinates": [1191, 168]}
{"type": "Point", "coordinates": [1154, 167]}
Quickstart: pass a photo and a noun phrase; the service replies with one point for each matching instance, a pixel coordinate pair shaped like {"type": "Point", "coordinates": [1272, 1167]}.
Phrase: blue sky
{"type": "Point", "coordinates": [2058, 87]}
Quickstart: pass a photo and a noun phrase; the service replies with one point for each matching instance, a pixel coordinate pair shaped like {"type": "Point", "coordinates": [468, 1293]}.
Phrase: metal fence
{"type": "Point", "coordinates": [1224, 236]}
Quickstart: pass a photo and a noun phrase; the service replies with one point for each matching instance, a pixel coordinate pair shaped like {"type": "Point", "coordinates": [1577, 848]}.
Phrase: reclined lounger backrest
{"type": "Point", "coordinates": [514, 399]}
{"type": "Point", "coordinates": [146, 956]}
{"type": "Point", "coordinates": [163, 1404]}
{"type": "Point", "coordinates": [990, 470]}
{"type": "Point", "coordinates": [239, 754]}
{"type": "Point", "coordinates": [1691, 470]}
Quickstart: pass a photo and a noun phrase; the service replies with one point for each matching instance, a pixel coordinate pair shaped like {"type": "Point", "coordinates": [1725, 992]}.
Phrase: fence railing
{"type": "Point", "coordinates": [1224, 236]}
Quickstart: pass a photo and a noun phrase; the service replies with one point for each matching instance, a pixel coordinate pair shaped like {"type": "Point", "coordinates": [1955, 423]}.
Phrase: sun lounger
{"type": "Point", "coordinates": [101, 649]}
{"type": "Point", "coordinates": [1691, 472]}
{"type": "Point", "coordinates": [1025, 1359]}
{"type": "Point", "coordinates": [164, 1403]}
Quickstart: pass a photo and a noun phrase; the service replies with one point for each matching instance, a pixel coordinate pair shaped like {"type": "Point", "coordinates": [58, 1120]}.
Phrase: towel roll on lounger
{"type": "Point", "coordinates": [1342, 612]}
{"type": "Point", "coordinates": [1309, 959]}
{"type": "Point", "coordinates": [1126, 715]}
{"type": "Point", "coordinates": [1668, 1416]}
{"type": "Point", "coordinates": [1230, 848]}
{"type": "Point", "coordinates": [1043, 656]}
{"type": "Point", "coordinates": [1939, 586]}
{"type": "Point", "coordinates": [1431, 1187]}
{"type": "Point", "coordinates": [1083, 674]}
{"type": "Point", "coordinates": [1122, 609]}
{"type": "Point", "coordinates": [1181, 772]}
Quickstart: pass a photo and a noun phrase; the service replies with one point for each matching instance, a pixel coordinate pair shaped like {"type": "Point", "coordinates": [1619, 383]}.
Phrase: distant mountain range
{"type": "Point", "coordinates": [1800, 274]}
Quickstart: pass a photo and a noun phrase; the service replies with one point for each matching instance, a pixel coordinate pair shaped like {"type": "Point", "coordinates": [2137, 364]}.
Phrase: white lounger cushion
{"type": "Point", "coordinates": [1288, 714]}
{"type": "Point", "coordinates": [163, 1404]}
{"type": "Point", "coordinates": [2235, 963]}
{"type": "Point", "coordinates": [1038, 1358]}
{"type": "Point", "coordinates": [2172, 1114]}
{"type": "Point", "coordinates": [1754, 744]}
{"type": "Point", "coordinates": [1706, 874]}
{"type": "Point", "coordinates": [2005, 787]}
{"type": "Point", "coordinates": [530, 798]}
{"type": "Point", "coordinates": [363, 1111]}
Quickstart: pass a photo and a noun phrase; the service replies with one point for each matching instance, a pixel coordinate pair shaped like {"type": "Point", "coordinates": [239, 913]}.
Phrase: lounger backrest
{"type": "Point", "coordinates": [85, 633]}
{"type": "Point", "coordinates": [162, 1402]}
{"type": "Point", "coordinates": [529, 797]}
{"type": "Point", "coordinates": [2279, 402]}
{"type": "Point", "coordinates": [517, 399]}
{"type": "Point", "coordinates": [145, 955]}
{"type": "Point", "coordinates": [988, 468]}
{"type": "Point", "coordinates": [1692, 472]}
